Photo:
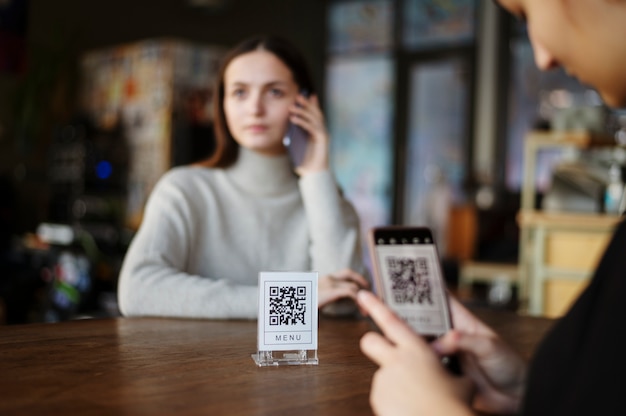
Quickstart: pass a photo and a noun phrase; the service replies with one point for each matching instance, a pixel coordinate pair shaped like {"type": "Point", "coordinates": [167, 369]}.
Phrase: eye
{"type": "Point", "coordinates": [276, 92]}
{"type": "Point", "coordinates": [238, 92]}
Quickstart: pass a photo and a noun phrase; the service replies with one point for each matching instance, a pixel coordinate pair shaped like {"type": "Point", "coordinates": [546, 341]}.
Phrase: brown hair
{"type": "Point", "coordinates": [226, 148]}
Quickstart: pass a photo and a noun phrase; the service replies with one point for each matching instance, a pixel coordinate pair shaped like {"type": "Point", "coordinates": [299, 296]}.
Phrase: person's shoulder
{"type": "Point", "coordinates": [189, 181]}
{"type": "Point", "coordinates": [621, 226]}
{"type": "Point", "coordinates": [188, 175]}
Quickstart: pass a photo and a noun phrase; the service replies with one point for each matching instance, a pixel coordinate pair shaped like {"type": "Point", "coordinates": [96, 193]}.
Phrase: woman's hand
{"type": "Point", "coordinates": [498, 372]}
{"type": "Point", "coordinates": [345, 283]}
{"type": "Point", "coordinates": [411, 379]}
{"type": "Point", "coordinates": [306, 113]}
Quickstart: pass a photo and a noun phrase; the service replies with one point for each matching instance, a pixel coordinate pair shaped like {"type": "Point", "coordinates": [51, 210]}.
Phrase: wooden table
{"type": "Point", "coordinates": [131, 366]}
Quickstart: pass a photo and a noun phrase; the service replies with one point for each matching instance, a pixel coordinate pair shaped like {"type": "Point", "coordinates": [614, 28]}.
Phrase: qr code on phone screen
{"type": "Point", "coordinates": [287, 305]}
{"type": "Point", "coordinates": [410, 279]}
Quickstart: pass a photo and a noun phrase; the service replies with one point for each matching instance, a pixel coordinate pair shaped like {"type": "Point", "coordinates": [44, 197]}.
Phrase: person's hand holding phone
{"type": "Point", "coordinates": [498, 371]}
{"type": "Point", "coordinates": [411, 379]}
{"type": "Point", "coordinates": [307, 114]}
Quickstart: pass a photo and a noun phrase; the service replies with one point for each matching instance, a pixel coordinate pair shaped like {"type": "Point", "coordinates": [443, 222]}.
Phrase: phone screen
{"type": "Point", "coordinates": [296, 140]}
{"type": "Point", "coordinates": [409, 277]}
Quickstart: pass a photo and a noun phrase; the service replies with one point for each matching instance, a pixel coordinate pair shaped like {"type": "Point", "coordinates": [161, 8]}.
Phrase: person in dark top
{"type": "Point", "coordinates": [579, 367]}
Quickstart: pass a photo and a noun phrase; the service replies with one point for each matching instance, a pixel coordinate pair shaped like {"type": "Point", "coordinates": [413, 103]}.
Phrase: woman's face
{"type": "Point", "coordinates": [585, 37]}
{"type": "Point", "coordinates": [258, 91]}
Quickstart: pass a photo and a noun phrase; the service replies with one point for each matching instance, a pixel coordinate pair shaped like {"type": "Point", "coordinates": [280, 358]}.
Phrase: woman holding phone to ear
{"type": "Point", "coordinates": [580, 367]}
{"type": "Point", "coordinates": [209, 229]}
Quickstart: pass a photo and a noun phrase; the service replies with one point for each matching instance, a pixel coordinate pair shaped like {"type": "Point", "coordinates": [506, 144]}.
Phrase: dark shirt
{"type": "Point", "coordinates": [580, 367]}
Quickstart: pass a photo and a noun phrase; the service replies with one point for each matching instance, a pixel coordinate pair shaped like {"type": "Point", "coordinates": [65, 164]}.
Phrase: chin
{"type": "Point", "coordinates": [614, 100]}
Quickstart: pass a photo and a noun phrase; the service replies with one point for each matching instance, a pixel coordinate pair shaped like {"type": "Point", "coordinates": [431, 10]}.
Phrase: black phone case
{"type": "Point", "coordinates": [296, 140]}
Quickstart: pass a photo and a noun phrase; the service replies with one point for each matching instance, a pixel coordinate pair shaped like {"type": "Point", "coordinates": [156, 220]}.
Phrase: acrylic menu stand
{"type": "Point", "coordinates": [287, 324]}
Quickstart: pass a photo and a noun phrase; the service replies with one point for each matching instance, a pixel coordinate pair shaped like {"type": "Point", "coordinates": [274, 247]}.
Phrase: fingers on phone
{"type": "Point", "coordinates": [393, 327]}
{"type": "Point", "coordinates": [376, 347]}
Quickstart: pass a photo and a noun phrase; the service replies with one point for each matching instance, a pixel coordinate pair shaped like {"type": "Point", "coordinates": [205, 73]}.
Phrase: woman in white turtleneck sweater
{"type": "Point", "coordinates": [209, 229]}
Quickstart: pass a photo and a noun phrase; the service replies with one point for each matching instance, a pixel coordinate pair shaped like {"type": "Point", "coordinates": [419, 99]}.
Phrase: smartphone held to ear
{"type": "Point", "coordinates": [296, 140]}
{"type": "Point", "coordinates": [409, 279]}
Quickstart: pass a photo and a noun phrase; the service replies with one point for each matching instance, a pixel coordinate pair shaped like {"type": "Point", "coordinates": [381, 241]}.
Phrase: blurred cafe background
{"type": "Point", "coordinates": [437, 116]}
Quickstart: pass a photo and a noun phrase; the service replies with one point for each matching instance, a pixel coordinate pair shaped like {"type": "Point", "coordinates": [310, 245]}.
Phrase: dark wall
{"type": "Point", "coordinates": [76, 26]}
{"type": "Point", "coordinates": [104, 23]}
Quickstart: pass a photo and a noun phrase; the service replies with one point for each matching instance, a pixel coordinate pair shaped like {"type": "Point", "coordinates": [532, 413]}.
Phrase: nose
{"type": "Point", "coordinates": [543, 58]}
{"type": "Point", "coordinates": [256, 104]}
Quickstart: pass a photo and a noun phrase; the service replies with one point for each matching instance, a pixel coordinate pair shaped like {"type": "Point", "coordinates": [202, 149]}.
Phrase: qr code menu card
{"type": "Point", "coordinates": [287, 311]}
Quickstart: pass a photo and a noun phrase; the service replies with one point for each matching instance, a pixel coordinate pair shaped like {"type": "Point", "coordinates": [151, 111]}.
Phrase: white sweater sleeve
{"type": "Point", "coordinates": [333, 224]}
{"type": "Point", "coordinates": [152, 281]}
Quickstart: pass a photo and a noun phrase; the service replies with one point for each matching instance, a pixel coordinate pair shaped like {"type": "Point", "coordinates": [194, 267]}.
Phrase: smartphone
{"type": "Point", "coordinates": [409, 279]}
{"type": "Point", "coordinates": [296, 140]}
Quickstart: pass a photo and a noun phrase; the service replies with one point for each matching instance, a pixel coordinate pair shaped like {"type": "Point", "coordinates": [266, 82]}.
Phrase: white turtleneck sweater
{"type": "Point", "coordinates": [207, 233]}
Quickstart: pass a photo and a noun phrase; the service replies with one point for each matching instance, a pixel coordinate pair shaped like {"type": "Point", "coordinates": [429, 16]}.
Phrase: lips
{"type": "Point", "coordinates": [257, 128]}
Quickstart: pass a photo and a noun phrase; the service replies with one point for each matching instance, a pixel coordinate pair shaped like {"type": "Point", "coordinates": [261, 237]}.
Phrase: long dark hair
{"type": "Point", "coordinates": [226, 148]}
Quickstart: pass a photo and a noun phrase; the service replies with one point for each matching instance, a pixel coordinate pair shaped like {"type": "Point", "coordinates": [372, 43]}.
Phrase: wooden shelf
{"type": "Point", "coordinates": [580, 139]}
{"type": "Point", "coordinates": [558, 250]}
{"type": "Point", "coordinates": [569, 220]}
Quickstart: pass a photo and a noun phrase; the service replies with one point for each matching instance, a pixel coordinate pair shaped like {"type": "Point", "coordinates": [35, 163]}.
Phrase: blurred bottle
{"type": "Point", "coordinates": [614, 190]}
{"type": "Point", "coordinates": [68, 275]}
